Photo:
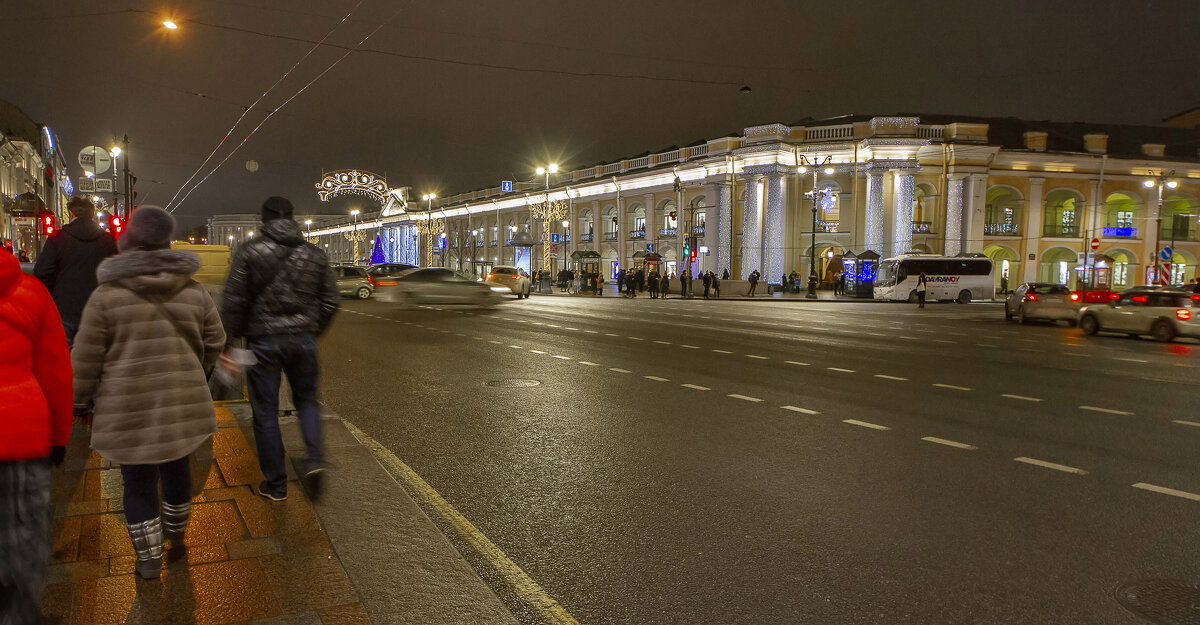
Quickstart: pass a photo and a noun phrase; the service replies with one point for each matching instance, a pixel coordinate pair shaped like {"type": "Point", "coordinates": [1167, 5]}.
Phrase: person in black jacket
{"type": "Point", "coordinates": [67, 264]}
{"type": "Point", "coordinates": [280, 295]}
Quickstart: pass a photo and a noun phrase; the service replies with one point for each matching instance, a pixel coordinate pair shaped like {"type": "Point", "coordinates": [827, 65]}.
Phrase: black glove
{"type": "Point", "coordinates": [57, 454]}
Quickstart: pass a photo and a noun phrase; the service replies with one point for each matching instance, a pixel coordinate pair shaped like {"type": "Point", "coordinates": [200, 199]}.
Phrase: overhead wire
{"type": "Point", "coordinates": [332, 65]}
{"type": "Point", "coordinates": [264, 94]}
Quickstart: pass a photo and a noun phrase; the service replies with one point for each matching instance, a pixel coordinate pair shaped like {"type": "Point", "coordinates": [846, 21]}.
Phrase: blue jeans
{"type": "Point", "coordinates": [295, 355]}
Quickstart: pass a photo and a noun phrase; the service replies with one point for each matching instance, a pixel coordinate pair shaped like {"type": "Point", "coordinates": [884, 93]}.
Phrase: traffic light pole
{"type": "Point", "coordinates": [128, 178]}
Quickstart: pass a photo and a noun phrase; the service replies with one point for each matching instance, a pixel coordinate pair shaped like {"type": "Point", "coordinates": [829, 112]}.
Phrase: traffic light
{"type": "Point", "coordinates": [117, 226]}
{"type": "Point", "coordinates": [48, 224]}
{"type": "Point", "coordinates": [692, 255]}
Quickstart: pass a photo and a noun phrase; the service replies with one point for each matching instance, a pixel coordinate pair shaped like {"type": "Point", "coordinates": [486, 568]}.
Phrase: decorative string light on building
{"type": "Point", "coordinates": [429, 228]}
{"type": "Point", "coordinates": [352, 182]}
{"type": "Point", "coordinates": [549, 212]}
{"type": "Point", "coordinates": [355, 236]}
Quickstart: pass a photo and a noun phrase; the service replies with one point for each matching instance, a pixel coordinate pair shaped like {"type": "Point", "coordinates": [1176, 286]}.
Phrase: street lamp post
{"type": "Point", "coordinates": [802, 167]}
{"type": "Point", "coordinates": [1162, 181]}
{"type": "Point", "coordinates": [547, 212]}
{"type": "Point", "coordinates": [354, 236]}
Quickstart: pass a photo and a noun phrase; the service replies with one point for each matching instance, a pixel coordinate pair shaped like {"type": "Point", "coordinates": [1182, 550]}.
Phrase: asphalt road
{"type": "Point", "coordinates": [791, 462]}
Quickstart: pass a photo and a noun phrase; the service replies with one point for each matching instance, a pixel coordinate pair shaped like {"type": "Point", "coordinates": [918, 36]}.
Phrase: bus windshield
{"type": "Point", "coordinates": [887, 274]}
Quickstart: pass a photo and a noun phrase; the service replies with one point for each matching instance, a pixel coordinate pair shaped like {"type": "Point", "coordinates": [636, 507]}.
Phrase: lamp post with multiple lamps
{"type": "Point", "coordinates": [1164, 180]}
{"type": "Point", "coordinates": [310, 238]}
{"type": "Point", "coordinates": [430, 227]}
{"type": "Point", "coordinates": [355, 236]}
{"type": "Point", "coordinates": [548, 212]}
{"type": "Point", "coordinates": [803, 165]}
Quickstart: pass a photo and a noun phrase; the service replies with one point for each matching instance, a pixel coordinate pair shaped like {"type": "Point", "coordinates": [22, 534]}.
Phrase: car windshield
{"type": "Point", "coordinates": [503, 271]}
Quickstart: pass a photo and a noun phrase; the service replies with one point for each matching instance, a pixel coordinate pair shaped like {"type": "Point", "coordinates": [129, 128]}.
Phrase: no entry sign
{"type": "Point", "coordinates": [1095, 244]}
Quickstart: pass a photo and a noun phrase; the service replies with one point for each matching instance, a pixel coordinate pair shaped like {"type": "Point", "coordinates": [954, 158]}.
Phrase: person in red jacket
{"type": "Point", "coordinates": [35, 424]}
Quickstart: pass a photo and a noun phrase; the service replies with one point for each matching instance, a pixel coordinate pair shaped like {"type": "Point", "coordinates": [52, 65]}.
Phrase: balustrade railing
{"type": "Point", "coordinates": [697, 229]}
{"type": "Point", "coordinates": [922, 227]}
{"type": "Point", "coordinates": [1001, 230]}
{"type": "Point", "coordinates": [826, 133]}
{"type": "Point", "coordinates": [668, 232]}
{"type": "Point", "coordinates": [610, 236]}
{"type": "Point", "coordinates": [586, 238]}
{"type": "Point", "coordinates": [1060, 230]}
{"type": "Point", "coordinates": [828, 226]}
{"type": "Point", "coordinates": [637, 234]}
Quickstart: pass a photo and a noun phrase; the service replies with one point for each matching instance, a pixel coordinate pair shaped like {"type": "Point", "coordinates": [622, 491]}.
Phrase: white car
{"type": "Point", "coordinates": [1162, 313]}
{"type": "Point", "coordinates": [510, 277]}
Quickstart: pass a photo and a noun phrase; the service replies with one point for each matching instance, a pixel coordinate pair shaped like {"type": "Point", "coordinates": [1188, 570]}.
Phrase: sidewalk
{"type": "Point", "coordinates": [365, 553]}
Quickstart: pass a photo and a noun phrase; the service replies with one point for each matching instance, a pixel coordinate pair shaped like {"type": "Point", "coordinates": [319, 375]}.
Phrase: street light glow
{"type": "Point", "coordinates": [308, 222]}
{"type": "Point", "coordinates": [88, 173]}
{"type": "Point", "coordinates": [566, 223]}
{"type": "Point", "coordinates": [354, 212]}
{"type": "Point", "coordinates": [829, 171]}
{"type": "Point", "coordinates": [1171, 184]}
{"type": "Point", "coordinates": [170, 24]}
{"type": "Point", "coordinates": [553, 167]}
{"type": "Point", "coordinates": [802, 169]}
{"type": "Point", "coordinates": [115, 152]}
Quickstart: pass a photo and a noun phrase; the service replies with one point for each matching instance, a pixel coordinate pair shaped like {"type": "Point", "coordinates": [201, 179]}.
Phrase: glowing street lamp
{"type": "Point", "coordinates": [1164, 180]}
{"type": "Point", "coordinates": [802, 167]}
{"type": "Point", "coordinates": [170, 24]}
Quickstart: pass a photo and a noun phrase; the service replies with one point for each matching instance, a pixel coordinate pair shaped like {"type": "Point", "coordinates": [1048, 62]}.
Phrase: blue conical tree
{"type": "Point", "coordinates": [377, 251]}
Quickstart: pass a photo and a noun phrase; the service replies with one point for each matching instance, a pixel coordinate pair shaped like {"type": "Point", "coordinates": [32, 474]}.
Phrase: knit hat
{"type": "Point", "coordinates": [276, 208]}
{"type": "Point", "coordinates": [149, 228]}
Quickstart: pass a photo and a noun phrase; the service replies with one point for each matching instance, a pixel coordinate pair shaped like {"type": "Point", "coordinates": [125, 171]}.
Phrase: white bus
{"type": "Point", "coordinates": [951, 278]}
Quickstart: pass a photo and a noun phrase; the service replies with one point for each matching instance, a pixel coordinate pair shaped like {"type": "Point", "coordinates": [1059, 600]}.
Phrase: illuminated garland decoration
{"type": "Point", "coordinates": [352, 182]}
{"type": "Point", "coordinates": [954, 214]}
{"type": "Point", "coordinates": [773, 226]}
{"type": "Point", "coordinates": [874, 238]}
{"type": "Point", "coordinates": [751, 222]}
{"type": "Point", "coordinates": [903, 215]}
{"type": "Point", "coordinates": [724, 222]}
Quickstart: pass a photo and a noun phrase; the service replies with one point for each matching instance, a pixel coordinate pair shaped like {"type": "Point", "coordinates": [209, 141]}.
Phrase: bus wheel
{"type": "Point", "coordinates": [964, 297]}
{"type": "Point", "coordinates": [912, 297]}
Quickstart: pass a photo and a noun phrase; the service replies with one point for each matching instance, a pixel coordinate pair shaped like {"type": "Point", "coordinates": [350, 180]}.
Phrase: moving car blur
{"type": "Point", "coordinates": [1043, 301]}
{"type": "Point", "coordinates": [434, 285]}
{"type": "Point", "coordinates": [1163, 313]}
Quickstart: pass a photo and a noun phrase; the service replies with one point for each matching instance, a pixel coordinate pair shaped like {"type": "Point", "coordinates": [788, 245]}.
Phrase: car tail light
{"type": "Point", "coordinates": [1031, 297]}
{"type": "Point", "coordinates": [1074, 297]}
{"type": "Point", "coordinates": [1113, 296]}
{"type": "Point", "coordinates": [387, 283]}
{"type": "Point", "coordinates": [370, 281]}
{"type": "Point", "coordinates": [1183, 314]}
{"type": "Point", "coordinates": [488, 277]}
{"type": "Point", "coordinates": [1141, 299]}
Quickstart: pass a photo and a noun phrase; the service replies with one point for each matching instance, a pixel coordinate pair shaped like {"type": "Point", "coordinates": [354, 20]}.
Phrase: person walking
{"type": "Point", "coordinates": [1004, 284]}
{"type": "Point", "coordinates": [620, 281]}
{"type": "Point", "coordinates": [653, 282]}
{"type": "Point", "coordinates": [716, 285]}
{"type": "Point", "coordinates": [597, 284]}
{"type": "Point", "coordinates": [35, 425]}
{"type": "Point", "coordinates": [67, 264]}
{"type": "Point", "coordinates": [685, 283]}
{"type": "Point", "coordinates": [707, 281]}
{"type": "Point", "coordinates": [664, 285]}
{"type": "Point", "coordinates": [148, 335]}
{"type": "Point", "coordinates": [921, 286]}
{"type": "Point", "coordinates": [631, 286]}
{"type": "Point", "coordinates": [753, 277]}
{"type": "Point", "coordinates": [281, 295]}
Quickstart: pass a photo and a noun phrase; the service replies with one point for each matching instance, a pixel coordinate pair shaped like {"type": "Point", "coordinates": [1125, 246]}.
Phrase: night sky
{"type": "Point", "coordinates": [432, 114]}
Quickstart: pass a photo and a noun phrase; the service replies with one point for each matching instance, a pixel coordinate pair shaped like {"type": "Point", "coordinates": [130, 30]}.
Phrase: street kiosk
{"type": "Point", "coordinates": [859, 271]}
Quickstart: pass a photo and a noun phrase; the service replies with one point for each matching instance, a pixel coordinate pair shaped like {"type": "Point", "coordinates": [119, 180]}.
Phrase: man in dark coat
{"type": "Point", "coordinates": [653, 283]}
{"type": "Point", "coordinates": [67, 264]}
{"type": "Point", "coordinates": [280, 295]}
{"type": "Point", "coordinates": [707, 280]}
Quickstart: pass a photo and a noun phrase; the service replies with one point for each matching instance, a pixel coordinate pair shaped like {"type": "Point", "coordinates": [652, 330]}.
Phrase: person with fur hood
{"type": "Point", "coordinates": [148, 337]}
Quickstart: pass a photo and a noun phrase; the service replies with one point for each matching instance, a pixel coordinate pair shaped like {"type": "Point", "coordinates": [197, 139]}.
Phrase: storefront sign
{"type": "Point", "coordinates": [1119, 232]}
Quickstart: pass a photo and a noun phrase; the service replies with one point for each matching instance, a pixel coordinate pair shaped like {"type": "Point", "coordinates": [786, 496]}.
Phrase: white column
{"type": "Point", "coordinates": [954, 214]}
{"type": "Point", "coordinates": [652, 224]}
{"type": "Point", "coordinates": [902, 215]}
{"type": "Point", "coordinates": [773, 227]}
{"type": "Point", "coordinates": [874, 225]}
{"type": "Point", "coordinates": [622, 232]}
{"type": "Point", "coordinates": [1033, 229]}
{"type": "Point", "coordinates": [973, 214]}
{"type": "Point", "coordinates": [751, 228]}
{"type": "Point", "coordinates": [719, 227]}
{"type": "Point", "coordinates": [1096, 205]}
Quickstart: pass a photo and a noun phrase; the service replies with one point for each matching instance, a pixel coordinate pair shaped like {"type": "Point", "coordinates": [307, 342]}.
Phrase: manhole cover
{"type": "Point", "coordinates": [1164, 601]}
{"type": "Point", "coordinates": [513, 382]}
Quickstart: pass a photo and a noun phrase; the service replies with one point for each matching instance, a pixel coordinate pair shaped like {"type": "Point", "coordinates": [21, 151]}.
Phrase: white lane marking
{"type": "Point", "coordinates": [799, 409]}
{"type": "Point", "coordinates": [873, 426]}
{"type": "Point", "coordinates": [496, 342]}
{"type": "Point", "coordinates": [1167, 491]}
{"type": "Point", "coordinates": [537, 323]}
{"type": "Point", "coordinates": [757, 357]}
{"type": "Point", "coordinates": [797, 363]}
{"type": "Point", "coordinates": [636, 338]}
{"type": "Point", "coordinates": [591, 331]}
{"type": "Point", "coordinates": [984, 345]}
{"type": "Point", "coordinates": [952, 387]}
{"type": "Point", "coordinates": [891, 377]}
{"type": "Point", "coordinates": [743, 397]}
{"type": "Point", "coordinates": [840, 370]}
{"type": "Point", "coordinates": [562, 357]}
{"type": "Point", "coordinates": [690, 346]}
{"type": "Point", "coordinates": [516, 347]}
{"type": "Point", "coordinates": [1107, 411]}
{"type": "Point", "coordinates": [655, 378]}
{"type": "Point", "coordinates": [590, 364]}
{"type": "Point", "coordinates": [944, 341]}
{"type": "Point", "coordinates": [1021, 397]}
{"type": "Point", "coordinates": [1131, 359]}
{"type": "Point", "coordinates": [572, 329]}
{"type": "Point", "coordinates": [459, 334]}
{"type": "Point", "coordinates": [721, 351]}
{"type": "Point", "coordinates": [1182, 422]}
{"type": "Point", "coordinates": [1050, 465]}
{"type": "Point", "coordinates": [876, 334]}
{"type": "Point", "coordinates": [537, 351]}
{"type": "Point", "coordinates": [949, 443]}
{"type": "Point", "coordinates": [663, 342]}
{"type": "Point", "coordinates": [909, 338]}
{"type": "Point", "coordinates": [551, 325]}
{"type": "Point", "coordinates": [611, 334]}
{"type": "Point", "coordinates": [696, 386]}
{"type": "Point", "coordinates": [619, 370]}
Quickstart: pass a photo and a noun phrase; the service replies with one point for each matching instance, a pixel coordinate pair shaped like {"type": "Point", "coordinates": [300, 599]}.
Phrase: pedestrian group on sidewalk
{"type": "Point", "coordinates": [119, 337]}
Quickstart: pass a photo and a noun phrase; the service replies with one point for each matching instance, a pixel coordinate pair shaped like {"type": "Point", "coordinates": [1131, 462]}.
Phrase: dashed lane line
{"type": "Point", "coordinates": [1182, 422]}
{"type": "Point", "coordinates": [839, 369]}
{"type": "Point", "coordinates": [590, 364]}
{"type": "Point", "coordinates": [949, 443]}
{"type": "Point", "coordinates": [865, 424]}
{"type": "Point", "coordinates": [1132, 360]}
{"type": "Point", "coordinates": [1167, 491]}
{"type": "Point", "coordinates": [690, 346]}
{"type": "Point", "coordinates": [800, 410]}
{"type": "Point", "coordinates": [1107, 411]}
{"type": "Point", "coordinates": [562, 357]}
{"type": "Point", "coordinates": [1021, 397]}
{"type": "Point", "coordinates": [744, 397]}
{"type": "Point", "coordinates": [757, 357]}
{"type": "Point", "coordinates": [516, 347]}
{"type": "Point", "coordinates": [696, 387]}
{"type": "Point", "coordinates": [619, 370]}
{"type": "Point", "coordinates": [797, 363]}
{"type": "Point", "coordinates": [636, 338]}
{"type": "Point", "coordinates": [537, 351]}
{"type": "Point", "coordinates": [496, 342]}
{"type": "Point", "coordinates": [663, 342]}
{"type": "Point", "coordinates": [611, 334]}
{"type": "Point", "coordinates": [655, 378]}
{"type": "Point", "coordinates": [1050, 465]}
{"type": "Point", "coordinates": [953, 387]}
{"type": "Point", "coordinates": [721, 351]}
{"type": "Point", "coordinates": [891, 377]}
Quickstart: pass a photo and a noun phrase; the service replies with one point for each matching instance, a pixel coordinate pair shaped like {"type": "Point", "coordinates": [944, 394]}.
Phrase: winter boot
{"type": "Point", "coordinates": [147, 538]}
{"type": "Point", "coordinates": [175, 521]}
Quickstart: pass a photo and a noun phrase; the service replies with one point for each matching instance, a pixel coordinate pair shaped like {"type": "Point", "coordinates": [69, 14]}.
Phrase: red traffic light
{"type": "Point", "coordinates": [117, 226]}
{"type": "Point", "coordinates": [48, 224]}
{"type": "Point", "coordinates": [692, 255]}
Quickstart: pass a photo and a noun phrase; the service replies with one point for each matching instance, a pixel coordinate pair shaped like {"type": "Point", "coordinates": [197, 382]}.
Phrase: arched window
{"type": "Point", "coordinates": [1121, 214]}
{"type": "Point", "coordinates": [1179, 217]}
{"type": "Point", "coordinates": [1061, 218]}
{"type": "Point", "coordinates": [670, 214]}
{"type": "Point", "coordinates": [924, 207]}
{"type": "Point", "coordinates": [1057, 265]}
{"type": "Point", "coordinates": [1003, 212]}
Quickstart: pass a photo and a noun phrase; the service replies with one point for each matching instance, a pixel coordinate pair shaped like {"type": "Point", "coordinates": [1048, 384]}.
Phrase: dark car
{"type": "Point", "coordinates": [387, 270]}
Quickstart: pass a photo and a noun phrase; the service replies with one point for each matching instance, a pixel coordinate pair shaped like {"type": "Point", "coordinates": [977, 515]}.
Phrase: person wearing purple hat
{"type": "Point", "coordinates": [280, 295]}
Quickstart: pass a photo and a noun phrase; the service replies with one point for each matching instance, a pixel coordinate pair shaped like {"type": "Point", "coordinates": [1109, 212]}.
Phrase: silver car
{"type": "Point", "coordinates": [1163, 313]}
{"type": "Point", "coordinates": [512, 279]}
{"type": "Point", "coordinates": [1042, 300]}
{"type": "Point", "coordinates": [434, 285]}
{"type": "Point", "coordinates": [353, 282]}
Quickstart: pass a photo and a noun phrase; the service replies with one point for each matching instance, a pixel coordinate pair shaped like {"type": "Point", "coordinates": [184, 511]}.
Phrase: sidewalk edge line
{"type": "Point", "coordinates": [527, 590]}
